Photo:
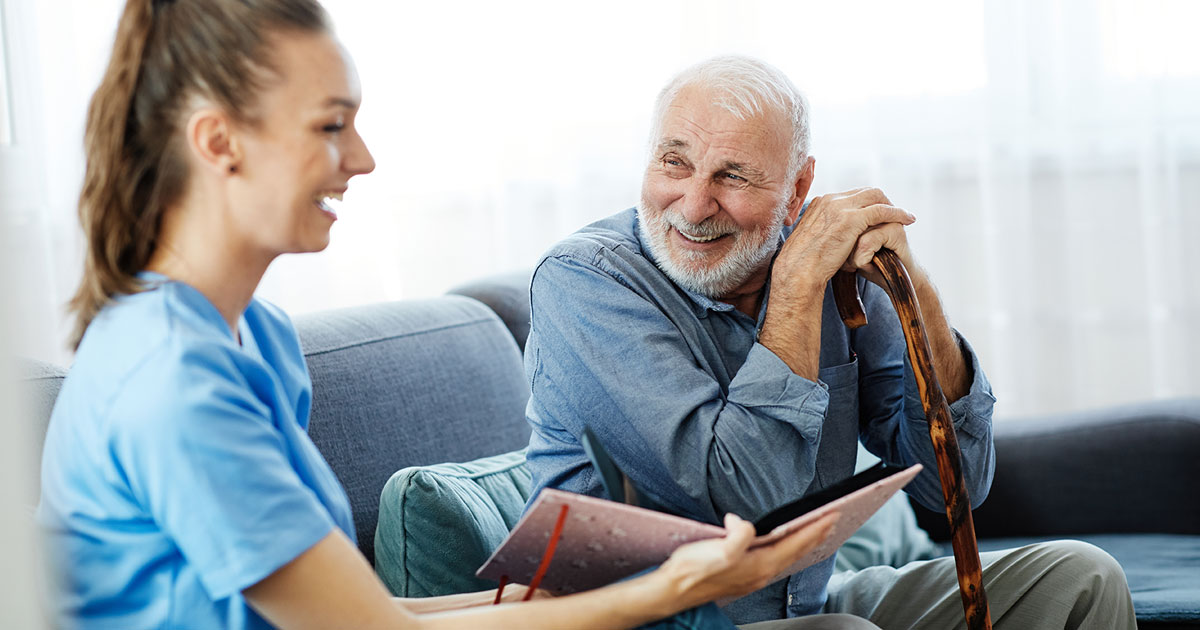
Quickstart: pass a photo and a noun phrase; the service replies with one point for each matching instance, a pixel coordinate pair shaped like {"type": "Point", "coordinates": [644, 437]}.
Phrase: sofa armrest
{"type": "Point", "coordinates": [1132, 468]}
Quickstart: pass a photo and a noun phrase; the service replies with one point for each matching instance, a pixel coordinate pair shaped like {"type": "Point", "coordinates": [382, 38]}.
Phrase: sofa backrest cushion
{"type": "Point", "coordinates": [410, 383]}
{"type": "Point", "coordinates": [508, 295]}
{"type": "Point", "coordinates": [438, 524]}
{"type": "Point", "coordinates": [1123, 469]}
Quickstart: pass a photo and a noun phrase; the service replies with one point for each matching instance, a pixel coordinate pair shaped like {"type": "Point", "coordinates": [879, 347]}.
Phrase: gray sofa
{"type": "Point", "coordinates": [420, 382]}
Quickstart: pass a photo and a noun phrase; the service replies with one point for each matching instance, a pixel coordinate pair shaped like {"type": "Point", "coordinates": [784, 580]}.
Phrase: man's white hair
{"type": "Point", "coordinates": [745, 87]}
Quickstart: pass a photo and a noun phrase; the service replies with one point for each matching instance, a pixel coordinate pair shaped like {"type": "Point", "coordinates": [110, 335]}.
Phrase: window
{"type": "Point", "coordinates": [5, 126]}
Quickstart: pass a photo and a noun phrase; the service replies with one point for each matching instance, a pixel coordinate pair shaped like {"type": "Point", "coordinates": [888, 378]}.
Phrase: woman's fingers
{"type": "Point", "coordinates": [739, 534]}
{"type": "Point", "coordinates": [806, 538]}
{"type": "Point", "coordinates": [727, 568]}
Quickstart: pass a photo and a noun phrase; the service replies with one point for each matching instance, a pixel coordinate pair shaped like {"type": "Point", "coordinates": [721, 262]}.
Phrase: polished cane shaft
{"type": "Point", "coordinates": [941, 430]}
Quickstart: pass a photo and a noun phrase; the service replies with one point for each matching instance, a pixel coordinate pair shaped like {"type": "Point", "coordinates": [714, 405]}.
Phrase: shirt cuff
{"type": "Point", "coordinates": [973, 412]}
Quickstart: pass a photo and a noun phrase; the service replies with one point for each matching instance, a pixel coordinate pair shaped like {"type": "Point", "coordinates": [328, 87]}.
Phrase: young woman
{"type": "Point", "coordinates": [180, 488]}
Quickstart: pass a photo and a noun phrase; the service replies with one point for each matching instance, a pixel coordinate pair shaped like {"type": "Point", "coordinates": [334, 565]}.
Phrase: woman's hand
{"type": "Point", "coordinates": [727, 568]}
{"type": "Point", "coordinates": [516, 593]}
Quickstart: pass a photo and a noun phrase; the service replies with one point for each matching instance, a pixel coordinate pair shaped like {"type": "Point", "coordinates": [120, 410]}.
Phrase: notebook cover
{"type": "Point", "coordinates": [604, 541]}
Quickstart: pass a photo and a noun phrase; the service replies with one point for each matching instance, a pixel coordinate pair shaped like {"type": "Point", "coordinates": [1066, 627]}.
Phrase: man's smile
{"type": "Point", "coordinates": [698, 242]}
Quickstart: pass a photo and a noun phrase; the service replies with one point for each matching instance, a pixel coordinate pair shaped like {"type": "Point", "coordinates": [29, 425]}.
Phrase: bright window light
{"type": "Point", "coordinates": [5, 124]}
{"type": "Point", "coordinates": [1150, 39]}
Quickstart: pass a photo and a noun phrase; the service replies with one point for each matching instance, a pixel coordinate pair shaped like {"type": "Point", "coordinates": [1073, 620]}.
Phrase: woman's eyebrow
{"type": "Point", "coordinates": [341, 101]}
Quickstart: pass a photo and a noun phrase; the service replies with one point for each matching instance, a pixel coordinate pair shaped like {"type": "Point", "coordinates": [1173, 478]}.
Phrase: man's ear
{"type": "Point", "coordinates": [212, 142]}
{"type": "Point", "coordinates": [804, 180]}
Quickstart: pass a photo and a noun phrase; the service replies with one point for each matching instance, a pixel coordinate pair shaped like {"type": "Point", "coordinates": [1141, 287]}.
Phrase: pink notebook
{"type": "Point", "coordinates": [603, 541]}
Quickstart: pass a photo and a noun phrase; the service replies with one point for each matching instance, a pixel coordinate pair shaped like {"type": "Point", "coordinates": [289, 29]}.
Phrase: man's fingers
{"type": "Point", "coordinates": [863, 196]}
{"type": "Point", "coordinates": [880, 213]}
{"type": "Point", "coordinates": [889, 235]}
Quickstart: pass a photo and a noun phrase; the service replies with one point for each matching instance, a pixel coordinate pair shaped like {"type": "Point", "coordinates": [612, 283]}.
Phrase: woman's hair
{"type": "Point", "coordinates": [166, 54]}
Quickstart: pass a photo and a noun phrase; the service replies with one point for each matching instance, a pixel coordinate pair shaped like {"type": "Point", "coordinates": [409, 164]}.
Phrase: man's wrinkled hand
{"type": "Point", "coordinates": [830, 236]}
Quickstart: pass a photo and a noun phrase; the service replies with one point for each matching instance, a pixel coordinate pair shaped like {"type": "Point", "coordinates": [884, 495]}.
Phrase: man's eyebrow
{"type": "Point", "coordinates": [743, 169]}
{"type": "Point", "coordinates": [672, 143]}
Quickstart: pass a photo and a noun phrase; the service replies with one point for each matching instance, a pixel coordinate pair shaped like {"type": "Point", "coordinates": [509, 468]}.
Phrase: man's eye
{"type": "Point", "coordinates": [672, 162]}
{"type": "Point", "coordinates": [736, 178]}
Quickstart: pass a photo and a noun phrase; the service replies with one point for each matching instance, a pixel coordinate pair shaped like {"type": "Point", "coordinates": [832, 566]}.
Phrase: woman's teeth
{"type": "Point", "coordinates": [330, 202]}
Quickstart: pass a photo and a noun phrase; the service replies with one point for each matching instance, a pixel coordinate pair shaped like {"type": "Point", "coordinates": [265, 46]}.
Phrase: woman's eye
{"type": "Point", "coordinates": [672, 162]}
{"type": "Point", "coordinates": [736, 178]}
{"type": "Point", "coordinates": [334, 127]}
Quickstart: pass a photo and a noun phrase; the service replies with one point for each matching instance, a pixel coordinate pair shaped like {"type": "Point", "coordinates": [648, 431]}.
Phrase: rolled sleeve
{"type": "Point", "coordinates": [971, 417]}
{"type": "Point", "coordinates": [894, 423]}
{"type": "Point", "coordinates": [973, 413]}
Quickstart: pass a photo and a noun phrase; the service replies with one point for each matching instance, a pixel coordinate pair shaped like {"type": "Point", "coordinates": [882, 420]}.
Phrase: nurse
{"type": "Point", "coordinates": [180, 488]}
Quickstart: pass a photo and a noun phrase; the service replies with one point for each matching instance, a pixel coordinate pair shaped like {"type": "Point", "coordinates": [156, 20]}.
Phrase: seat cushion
{"type": "Point", "coordinates": [1163, 571]}
{"type": "Point", "coordinates": [438, 524]}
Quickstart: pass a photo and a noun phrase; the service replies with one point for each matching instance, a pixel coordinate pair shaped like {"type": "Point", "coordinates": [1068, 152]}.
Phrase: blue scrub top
{"type": "Point", "coordinates": [177, 469]}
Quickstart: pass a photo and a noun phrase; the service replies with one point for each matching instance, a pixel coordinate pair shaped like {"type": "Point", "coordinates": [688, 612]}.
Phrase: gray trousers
{"type": "Point", "coordinates": [1064, 584]}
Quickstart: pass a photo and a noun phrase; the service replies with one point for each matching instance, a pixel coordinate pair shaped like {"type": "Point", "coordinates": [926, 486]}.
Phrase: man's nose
{"type": "Point", "coordinates": [698, 202]}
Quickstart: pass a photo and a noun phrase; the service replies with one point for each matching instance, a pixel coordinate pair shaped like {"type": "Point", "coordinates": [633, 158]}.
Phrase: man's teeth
{"type": "Point", "coordinates": [699, 239]}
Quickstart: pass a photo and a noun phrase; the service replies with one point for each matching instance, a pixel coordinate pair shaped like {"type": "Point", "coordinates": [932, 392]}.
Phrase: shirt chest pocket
{"type": "Point", "coordinates": [839, 376]}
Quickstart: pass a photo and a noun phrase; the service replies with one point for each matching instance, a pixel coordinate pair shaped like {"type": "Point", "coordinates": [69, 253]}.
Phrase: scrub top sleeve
{"type": "Point", "coordinates": [201, 452]}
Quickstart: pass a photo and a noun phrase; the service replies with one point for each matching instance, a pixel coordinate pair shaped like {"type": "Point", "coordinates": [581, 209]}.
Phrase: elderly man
{"type": "Point", "coordinates": [698, 336]}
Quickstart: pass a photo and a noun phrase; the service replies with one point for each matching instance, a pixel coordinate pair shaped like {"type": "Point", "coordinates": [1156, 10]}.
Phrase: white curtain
{"type": "Point", "coordinates": [1050, 149]}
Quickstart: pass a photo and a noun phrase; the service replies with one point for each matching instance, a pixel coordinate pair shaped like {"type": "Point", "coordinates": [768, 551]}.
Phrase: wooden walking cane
{"type": "Point", "coordinates": [945, 444]}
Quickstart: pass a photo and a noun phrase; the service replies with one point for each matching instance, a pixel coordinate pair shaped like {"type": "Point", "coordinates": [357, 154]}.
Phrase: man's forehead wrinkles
{"type": "Point", "coordinates": [710, 136]}
{"type": "Point", "coordinates": [689, 124]}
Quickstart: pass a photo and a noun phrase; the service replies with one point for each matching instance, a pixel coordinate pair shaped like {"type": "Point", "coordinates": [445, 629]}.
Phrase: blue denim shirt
{"type": "Point", "coordinates": [704, 418]}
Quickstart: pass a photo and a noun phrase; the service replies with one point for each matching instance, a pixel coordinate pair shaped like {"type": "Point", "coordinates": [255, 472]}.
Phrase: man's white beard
{"type": "Point", "coordinates": [750, 252]}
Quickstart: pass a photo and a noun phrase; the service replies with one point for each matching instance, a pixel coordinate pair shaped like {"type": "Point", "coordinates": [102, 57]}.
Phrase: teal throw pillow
{"type": "Point", "coordinates": [438, 524]}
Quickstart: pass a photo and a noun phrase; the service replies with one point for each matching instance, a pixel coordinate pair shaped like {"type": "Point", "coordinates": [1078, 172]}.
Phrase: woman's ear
{"type": "Point", "coordinates": [212, 142]}
{"type": "Point", "coordinates": [803, 183]}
